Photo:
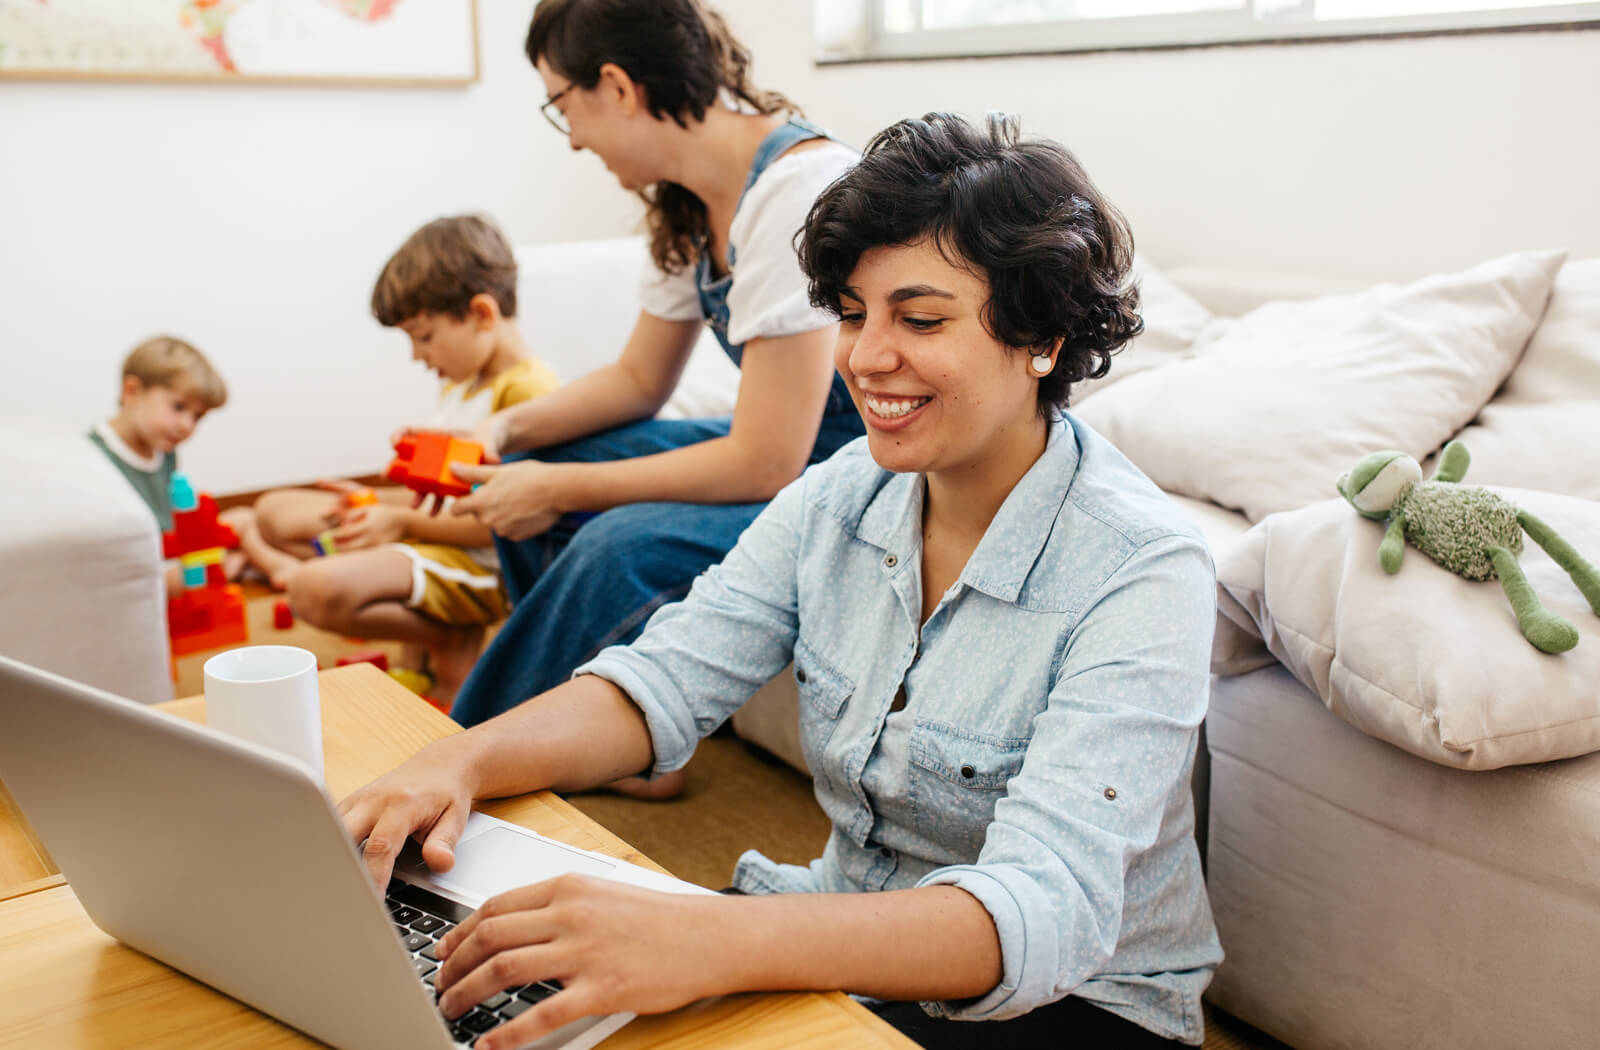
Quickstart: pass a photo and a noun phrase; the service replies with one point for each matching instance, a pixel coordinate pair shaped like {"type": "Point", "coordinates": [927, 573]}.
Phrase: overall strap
{"type": "Point", "coordinates": [779, 139]}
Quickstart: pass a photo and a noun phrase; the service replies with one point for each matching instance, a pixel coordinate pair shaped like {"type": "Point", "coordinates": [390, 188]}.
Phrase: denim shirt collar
{"type": "Point", "coordinates": [886, 512]}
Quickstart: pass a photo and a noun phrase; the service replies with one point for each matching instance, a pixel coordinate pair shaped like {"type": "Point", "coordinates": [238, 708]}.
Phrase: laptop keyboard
{"type": "Point", "coordinates": [420, 919]}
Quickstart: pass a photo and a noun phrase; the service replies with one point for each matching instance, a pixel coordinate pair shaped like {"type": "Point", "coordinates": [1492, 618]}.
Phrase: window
{"type": "Point", "coordinates": [852, 30]}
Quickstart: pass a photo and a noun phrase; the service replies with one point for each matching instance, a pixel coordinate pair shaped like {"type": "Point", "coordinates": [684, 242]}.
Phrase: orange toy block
{"type": "Point", "coordinates": [206, 618]}
{"type": "Point", "coordinates": [422, 462]}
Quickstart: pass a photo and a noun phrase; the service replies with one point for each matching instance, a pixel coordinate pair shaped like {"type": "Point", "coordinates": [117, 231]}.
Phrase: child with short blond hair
{"type": "Point", "coordinates": [167, 388]}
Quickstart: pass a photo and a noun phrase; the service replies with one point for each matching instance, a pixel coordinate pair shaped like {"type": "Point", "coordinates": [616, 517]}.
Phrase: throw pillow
{"type": "Point", "coordinates": [1423, 659]}
{"type": "Point", "coordinates": [1268, 414]}
{"type": "Point", "coordinates": [1546, 445]}
{"type": "Point", "coordinates": [1562, 362]}
{"type": "Point", "coordinates": [1172, 321]}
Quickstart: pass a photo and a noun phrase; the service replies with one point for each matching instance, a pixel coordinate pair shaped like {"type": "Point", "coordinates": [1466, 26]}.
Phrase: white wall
{"type": "Point", "coordinates": [253, 220]}
{"type": "Point", "coordinates": [1399, 155]}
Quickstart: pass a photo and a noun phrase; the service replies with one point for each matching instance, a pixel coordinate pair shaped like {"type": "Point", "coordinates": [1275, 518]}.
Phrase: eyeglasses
{"type": "Point", "coordinates": [557, 119]}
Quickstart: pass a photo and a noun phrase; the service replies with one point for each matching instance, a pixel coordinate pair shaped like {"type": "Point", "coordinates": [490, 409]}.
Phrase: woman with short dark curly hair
{"type": "Point", "coordinates": [1001, 637]}
{"type": "Point", "coordinates": [1056, 254]}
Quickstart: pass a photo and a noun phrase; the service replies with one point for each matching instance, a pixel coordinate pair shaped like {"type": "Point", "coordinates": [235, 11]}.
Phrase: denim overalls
{"type": "Point", "coordinates": [583, 586]}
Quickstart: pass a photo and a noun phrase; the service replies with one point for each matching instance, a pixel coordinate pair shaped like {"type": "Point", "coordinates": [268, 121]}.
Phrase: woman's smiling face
{"type": "Point", "coordinates": [937, 391]}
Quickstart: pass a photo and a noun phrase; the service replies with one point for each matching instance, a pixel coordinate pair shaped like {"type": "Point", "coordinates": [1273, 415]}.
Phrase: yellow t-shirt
{"type": "Point", "coordinates": [457, 410]}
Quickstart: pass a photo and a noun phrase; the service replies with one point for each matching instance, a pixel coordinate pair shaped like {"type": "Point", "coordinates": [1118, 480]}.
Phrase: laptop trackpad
{"type": "Point", "coordinates": [502, 858]}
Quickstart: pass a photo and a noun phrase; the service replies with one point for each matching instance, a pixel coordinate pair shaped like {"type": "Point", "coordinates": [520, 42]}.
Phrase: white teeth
{"type": "Point", "coordinates": [894, 409]}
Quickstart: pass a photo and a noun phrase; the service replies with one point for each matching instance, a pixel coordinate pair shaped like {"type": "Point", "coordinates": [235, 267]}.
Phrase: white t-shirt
{"type": "Point", "coordinates": [767, 298]}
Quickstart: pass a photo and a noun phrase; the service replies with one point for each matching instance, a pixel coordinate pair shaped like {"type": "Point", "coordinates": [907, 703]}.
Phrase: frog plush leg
{"type": "Point", "coordinates": [1453, 462]}
{"type": "Point", "coordinates": [1393, 546]}
{"type": "Point", "coordinates": [1546, 630]}
{"type": "Point", "coordinates": [1585, 575]}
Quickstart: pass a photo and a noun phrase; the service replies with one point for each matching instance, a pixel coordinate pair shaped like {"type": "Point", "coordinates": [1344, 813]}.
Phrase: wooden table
{"type": "Point", "coordinates": [66, 985]}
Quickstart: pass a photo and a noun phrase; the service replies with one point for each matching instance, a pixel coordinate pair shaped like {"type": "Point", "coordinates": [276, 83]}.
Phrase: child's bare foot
{"type": "Point", "coordinates": [667, 785]}
{"type": "Point", "coordinates": [451, 663]}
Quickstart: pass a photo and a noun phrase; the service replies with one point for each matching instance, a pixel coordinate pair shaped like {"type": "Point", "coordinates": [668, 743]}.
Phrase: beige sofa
{"type": "Point", "coordinates": [80, 555]}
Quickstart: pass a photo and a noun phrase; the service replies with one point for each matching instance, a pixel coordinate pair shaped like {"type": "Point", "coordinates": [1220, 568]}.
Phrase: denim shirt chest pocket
{"type": "Point", "coordinates": [823, 690]}
{"type": "Point", "coordinates": [956, 777]}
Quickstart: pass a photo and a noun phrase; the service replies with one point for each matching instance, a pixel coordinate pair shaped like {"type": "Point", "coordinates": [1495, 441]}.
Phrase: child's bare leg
{"type": "Point", "coordinates": [289, 519]}
{"type": "Point", "coordinates": [364, 594]}
{"type": "Point", "coordinates": [275, 564]}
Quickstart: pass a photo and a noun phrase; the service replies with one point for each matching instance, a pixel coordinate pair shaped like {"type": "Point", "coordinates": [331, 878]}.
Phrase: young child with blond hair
{"type": "Point", "coordinates": [168, 386]}
{"type": "Point", "coordinates": [398, 572]}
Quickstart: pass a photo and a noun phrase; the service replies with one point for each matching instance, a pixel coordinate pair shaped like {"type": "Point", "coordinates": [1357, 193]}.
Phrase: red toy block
{"type": "Point", "coordinates": [376, 657]}
{"type": "Point", "coordinates": [282, 615]}
{"type": "Point", "coordinates": [197, 530]}
{"type": "Point", "coordinates": [206, 618]}
{"type": "Point", "coordinates": [422, 462]}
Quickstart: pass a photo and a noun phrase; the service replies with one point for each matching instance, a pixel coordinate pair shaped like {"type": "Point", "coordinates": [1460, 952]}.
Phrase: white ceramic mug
{"type": "Point", "coordinates": [267, 694]}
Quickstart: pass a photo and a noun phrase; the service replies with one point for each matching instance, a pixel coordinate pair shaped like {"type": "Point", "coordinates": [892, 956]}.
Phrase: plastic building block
{"type": "Point", "coordinates": [209, 613]}
{"type": "Point", "coordinates": [206, 618]}
{"type": "Point", "coordinates": [376, 657]}
{"type": "Point", "coordinates": [195, 527]}
{"type": "Point", "coordinates": [361, 498]}
{"type": "Point", "coordinates": [282, 615]}
{"type": "Point", "coordinates": [324, 544]}
{"type": "Point", "coordinates": [422, 462]}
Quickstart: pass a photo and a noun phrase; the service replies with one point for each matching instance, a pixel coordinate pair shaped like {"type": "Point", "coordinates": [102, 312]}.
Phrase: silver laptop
{"type": "Point", "coordinates": [228, 862]}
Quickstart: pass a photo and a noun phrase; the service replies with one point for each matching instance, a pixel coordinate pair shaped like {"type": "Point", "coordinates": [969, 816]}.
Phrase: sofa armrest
{"type": "Point", "coordinates": [81, 557]}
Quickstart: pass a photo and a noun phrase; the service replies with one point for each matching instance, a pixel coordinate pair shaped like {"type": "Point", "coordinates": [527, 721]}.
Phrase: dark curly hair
{"type": "Point", "coordinates": [1021, 213]}
{"type": "Point", "coordinates": [684, 55]}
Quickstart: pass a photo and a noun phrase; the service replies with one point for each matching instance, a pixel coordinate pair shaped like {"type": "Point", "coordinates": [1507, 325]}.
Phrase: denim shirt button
{"type": "Point", "coordinates": [968, 772]}
{"type": "Point", "coordinates": [890, 562]}
{"type": "Point", "coordinates": [1111, 794]}
{"type": "Point", "coordinates": [800, 675]}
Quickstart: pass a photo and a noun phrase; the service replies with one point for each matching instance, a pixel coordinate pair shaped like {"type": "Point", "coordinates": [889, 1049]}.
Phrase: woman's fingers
{"type": "Point", "coordinates": [523, 898]}
{"type": "Point", "coordinates": [564, 1007]}
{"type": "Point", "coordinates": [386, 838]}
{"type": "Point", "coordinates": [439, 848]}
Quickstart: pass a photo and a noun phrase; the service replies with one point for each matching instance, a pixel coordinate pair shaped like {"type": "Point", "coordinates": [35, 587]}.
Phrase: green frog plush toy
{"type": "Point", "coordinates": [1468, 530]}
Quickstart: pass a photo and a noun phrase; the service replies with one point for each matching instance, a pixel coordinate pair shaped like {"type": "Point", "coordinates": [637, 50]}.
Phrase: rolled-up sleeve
{"type": "Point", "coordinates": [1083, 842]}
{"type": "Point", "coordinates": [699, 659]}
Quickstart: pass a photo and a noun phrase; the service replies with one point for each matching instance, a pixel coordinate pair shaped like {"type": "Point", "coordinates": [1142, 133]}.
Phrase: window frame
{"type": "Point", "coordinates": [848, 31]}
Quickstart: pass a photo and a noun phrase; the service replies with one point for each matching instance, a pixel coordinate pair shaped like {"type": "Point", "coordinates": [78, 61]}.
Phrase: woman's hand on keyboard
{"type": "Point", "coordinates": [429, 796]}
{"type": "Point", "coordinates": [612, 947]}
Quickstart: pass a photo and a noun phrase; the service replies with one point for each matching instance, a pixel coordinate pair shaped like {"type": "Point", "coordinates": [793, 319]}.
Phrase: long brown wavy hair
{"type": "Point", "coordinates": [685, 56]}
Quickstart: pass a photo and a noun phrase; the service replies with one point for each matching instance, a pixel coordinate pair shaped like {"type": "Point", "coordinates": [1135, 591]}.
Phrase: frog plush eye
{"type": "Point", "coordinates": [1373, 485]}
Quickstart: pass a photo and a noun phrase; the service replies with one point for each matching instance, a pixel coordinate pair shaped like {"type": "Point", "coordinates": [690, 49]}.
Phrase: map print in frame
{"type": "Point", "coordinates": [397, 42]}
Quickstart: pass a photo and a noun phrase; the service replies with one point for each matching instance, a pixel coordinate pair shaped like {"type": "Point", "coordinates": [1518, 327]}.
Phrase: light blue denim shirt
{"type": "Point", "coordinates": [1041, 760]}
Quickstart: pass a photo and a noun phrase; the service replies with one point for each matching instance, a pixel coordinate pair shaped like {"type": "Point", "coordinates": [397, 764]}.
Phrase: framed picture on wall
{"type": "Point", "coordinates": [382, 42]}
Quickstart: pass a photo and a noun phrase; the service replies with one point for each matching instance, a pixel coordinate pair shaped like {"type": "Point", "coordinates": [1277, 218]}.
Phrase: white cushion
{"type": "Point", "coordinates": [577, 302]}
{"type": "Point", "coordinates": [1269, 413]}
{"type": "Point", "coordinates": [1563, 357]}
{"type": "Point", "coordinates": [80, 555]}
{"type": "Point", "coordinates": [1423, 659]}
{"type": "Point", "coordinates": [1172, 322]}
{"type": "Point", "coordinates": [1550, 446]}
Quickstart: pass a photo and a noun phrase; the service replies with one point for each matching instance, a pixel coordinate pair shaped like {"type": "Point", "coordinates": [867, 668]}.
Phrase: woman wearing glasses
{"type": "Point", "coordinates": [660, 91]}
